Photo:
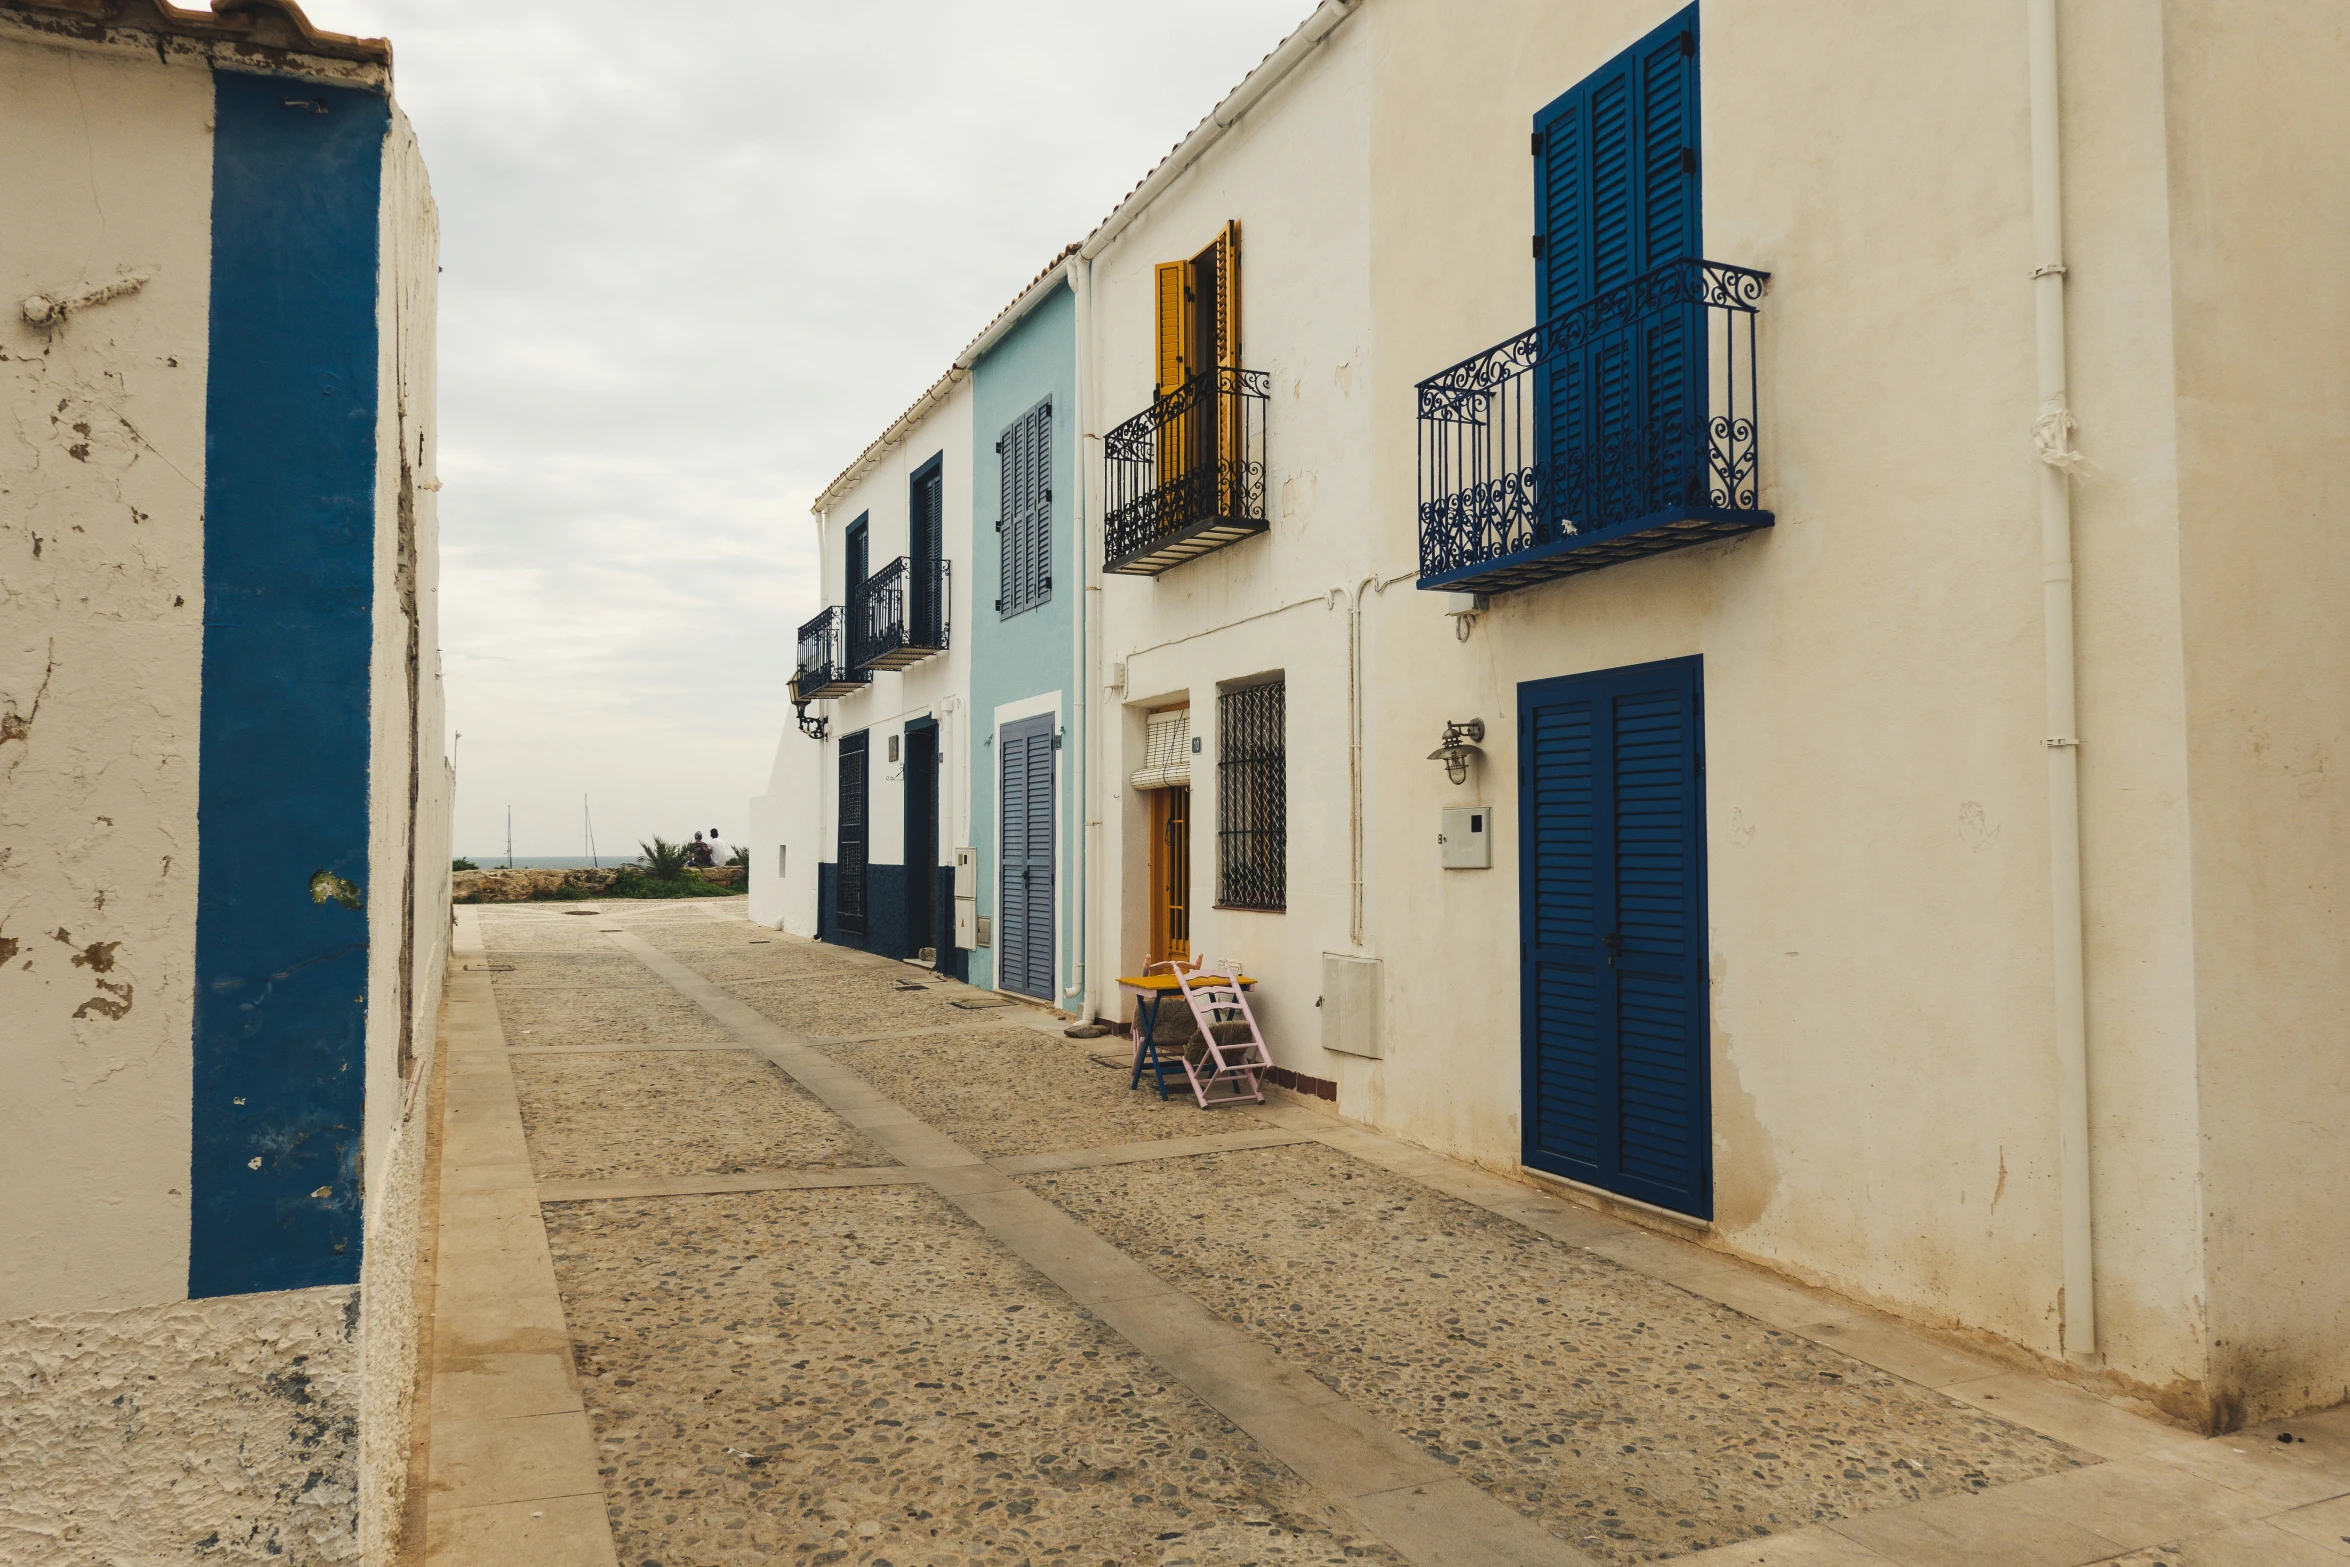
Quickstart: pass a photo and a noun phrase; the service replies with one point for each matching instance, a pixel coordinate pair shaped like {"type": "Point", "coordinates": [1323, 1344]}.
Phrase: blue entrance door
{"type": "Point", "coordinates": [1024, 927]}
{"type": "Point", "coordinates": [1612, 915]}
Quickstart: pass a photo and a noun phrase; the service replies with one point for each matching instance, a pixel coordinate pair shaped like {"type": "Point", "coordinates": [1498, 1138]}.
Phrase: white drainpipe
{"type": "Point", "coordinates": [1090, 800]}
{"type": "Point", "coordinates": [2052, 435]}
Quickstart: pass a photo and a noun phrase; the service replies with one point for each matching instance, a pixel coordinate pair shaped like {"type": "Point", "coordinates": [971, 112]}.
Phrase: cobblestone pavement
{"type": "Point", "coordinates": [869, 1374]}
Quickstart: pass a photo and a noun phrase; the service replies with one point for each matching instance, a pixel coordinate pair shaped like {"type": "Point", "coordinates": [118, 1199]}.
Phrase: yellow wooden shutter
{"type": "Point", "coordinates": [1228, 297]}
{"type": "Point", "coordinates": [1173, 327]}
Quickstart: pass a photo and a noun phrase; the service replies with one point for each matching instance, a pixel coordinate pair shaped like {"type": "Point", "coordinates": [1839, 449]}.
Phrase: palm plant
{"type": "Point", "coordinates": [664, 859]}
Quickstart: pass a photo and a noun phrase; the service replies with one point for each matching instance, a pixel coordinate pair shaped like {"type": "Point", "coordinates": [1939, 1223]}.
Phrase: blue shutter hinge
{"type": "Point", "coordinates": [1537, 247]}
{"type": "Point", "coordinates": [1538, 139]}
{"type": "Point", "coordinates": [1689, 160]}
{"type": "Point", "coordinates": [1689, 44]}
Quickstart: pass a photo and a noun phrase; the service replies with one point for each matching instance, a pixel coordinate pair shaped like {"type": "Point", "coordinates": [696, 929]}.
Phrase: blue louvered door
{"type": "Point", "coordinates": [1616, 197]}
{"type": "Point", "coordinates": [1024, 921]}
{"type": "Point", "coordinates": [1612, 923]}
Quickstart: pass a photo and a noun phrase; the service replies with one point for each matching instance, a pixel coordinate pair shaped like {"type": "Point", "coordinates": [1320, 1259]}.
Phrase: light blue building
{"type": "Point", "coordinates": [1027, 789]}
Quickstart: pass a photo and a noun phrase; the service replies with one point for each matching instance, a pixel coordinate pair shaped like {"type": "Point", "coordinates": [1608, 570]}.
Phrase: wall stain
{"type": "Point", "coordinates": [98, 956]}
{"type": "Point", "coordinates": [15, 725]}
{"type": "Point", "coordinates": [106, 1006]}
{"type": "Point", "coordinates": [9, 948]}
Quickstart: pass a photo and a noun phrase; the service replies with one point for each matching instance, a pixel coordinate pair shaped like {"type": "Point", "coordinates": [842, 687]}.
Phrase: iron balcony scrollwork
{"type": "Point", "coordinates": [1624, 427]}
{"type": "Point", "coordinates": [898, 616]}
{"type": "Point", "coordinates": [822, 669]}
{"type": "Point", "coordinates": [1187, 474]}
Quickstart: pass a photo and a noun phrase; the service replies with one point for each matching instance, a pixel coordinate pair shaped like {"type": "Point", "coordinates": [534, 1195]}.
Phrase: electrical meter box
{"type": "Point", "coordinates": [967, 920]}
{"type": "Point", "coordinates": [1466, 843]}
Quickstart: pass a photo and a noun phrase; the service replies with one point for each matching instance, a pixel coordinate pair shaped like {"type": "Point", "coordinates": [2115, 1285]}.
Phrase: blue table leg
{"type": "Point", "coordinates": [1146, 1017]}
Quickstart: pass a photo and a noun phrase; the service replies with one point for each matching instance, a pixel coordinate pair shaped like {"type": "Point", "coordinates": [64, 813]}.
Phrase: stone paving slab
{"type": "Point", "coordinates": [553, 1015]}
{"type": "Point", "coordinates": [650, 1113]}
{"type": "Point", "coordinates": [1019, 1091]}
{"type": "Point", "coordinates": [1633, 1418]}
{"type": "Point", "coordinates": [862, 1376]}
{"type": "Point", "coordinates": [514, 971]}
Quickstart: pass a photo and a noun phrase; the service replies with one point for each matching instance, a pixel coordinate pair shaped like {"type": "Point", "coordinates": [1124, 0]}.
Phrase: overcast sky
{"type": "Point", "coordinates": [693, 259]}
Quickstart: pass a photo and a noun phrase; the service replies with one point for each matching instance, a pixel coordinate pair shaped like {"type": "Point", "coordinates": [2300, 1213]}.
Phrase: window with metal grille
{"type": "Point", "coordinates": [1024, 520]}
{"type": "Point", "coordinates": [1252, 798]}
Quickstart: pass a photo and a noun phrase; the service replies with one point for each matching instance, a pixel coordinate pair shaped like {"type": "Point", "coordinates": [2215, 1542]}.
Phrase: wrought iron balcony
{"type": "Point", "coordinates": [1626, 427]}
{"type": "Point", "coordinates": [898, 616]}
{"type": "Point", "coordinates": [1187, 474]}
{"type": "Point", "coordinates": [823, 668]}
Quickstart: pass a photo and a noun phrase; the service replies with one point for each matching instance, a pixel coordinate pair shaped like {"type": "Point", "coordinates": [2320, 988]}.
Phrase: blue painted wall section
{"type": "Point", "coordinates": [289, 523]}
{"type": "Point", "coordinates": [1033, 653]}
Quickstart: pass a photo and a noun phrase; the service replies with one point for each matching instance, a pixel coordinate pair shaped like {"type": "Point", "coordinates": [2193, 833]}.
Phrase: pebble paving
{"type": "Point", "coordinates": [603, 1117]}
{"type": "Point", "coordinates": [1636, 1420]}
{"type": "Point", "coordinates": [863, 1377]}
{"type": "Point", "coordinates": [1017, 1091]}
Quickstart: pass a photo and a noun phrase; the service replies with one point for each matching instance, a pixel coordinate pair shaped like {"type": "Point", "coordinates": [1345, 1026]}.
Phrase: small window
{"type": "Point", "coordinates": [1024, 521]}
{"type": "Point", "coordinates": [1252, 797]}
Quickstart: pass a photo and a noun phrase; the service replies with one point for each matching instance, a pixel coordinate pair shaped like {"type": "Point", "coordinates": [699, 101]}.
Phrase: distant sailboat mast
{"type": "Point", "coordinates": [509, 837]}
{"type": "Point", "coordinates": [588, 818]}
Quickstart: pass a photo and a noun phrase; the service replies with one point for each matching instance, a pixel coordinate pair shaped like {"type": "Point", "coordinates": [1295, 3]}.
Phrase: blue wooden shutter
{"type": "Point", "coordinates": [1616, 197]}
{"type": "Point", "coordinates": [854, 827]}
{"type": "Point", "coordinates": [1613, 982]}
{"type": "Point", "coordinates": [1025, 510]}
{"type": "Point", "coordinates": [1024, 921]}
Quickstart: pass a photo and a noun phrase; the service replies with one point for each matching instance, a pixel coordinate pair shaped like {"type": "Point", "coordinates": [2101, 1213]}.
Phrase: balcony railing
{"type": "Point", "coordinates": [898, 616]}
{"type": "Point", "coordinates": [1625, 427]}
{"type": "Point", "coordinates": [823, 668]}
{"type": "Point", "coordinates": [1187, 474]}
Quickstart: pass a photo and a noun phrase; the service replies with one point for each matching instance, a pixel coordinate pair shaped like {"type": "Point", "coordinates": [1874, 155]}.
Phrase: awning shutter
{"type": "Point", "coordinates": [1166, 757]}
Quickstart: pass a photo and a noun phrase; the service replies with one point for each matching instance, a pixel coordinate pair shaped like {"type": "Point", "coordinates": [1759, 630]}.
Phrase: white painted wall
{"type": "Point", "coordinates": [1884, 1078]}
{"type": "Point", "coordinates": [939, 687]}
{"type": "Point", "coordinates": [102, 570]}
{"type": "Point", "coordinates": [1296, 171]}
{"type": "Point", "coordinates": [411, 788]}
{"type": "Point", "coordinates": [785, 837]}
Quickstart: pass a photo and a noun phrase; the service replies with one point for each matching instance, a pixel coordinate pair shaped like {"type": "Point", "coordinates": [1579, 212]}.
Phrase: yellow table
{"type": "Point", "coordinates": [1149, 991]}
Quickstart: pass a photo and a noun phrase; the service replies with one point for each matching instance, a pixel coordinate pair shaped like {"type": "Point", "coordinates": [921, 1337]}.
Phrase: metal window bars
{"type": "Point", "coordinates": [1624, 427]}
{"type": "Point", "coordinates": [1252, 797]}
{"type": "Point", "coordinates": [1187, 474]}
{"type": "Point", "coordinates": [822, 668]}
{"type": "Point", "coordinates": [898, 616]}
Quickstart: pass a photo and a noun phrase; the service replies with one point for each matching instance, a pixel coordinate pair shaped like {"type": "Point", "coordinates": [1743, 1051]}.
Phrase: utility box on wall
{"type": "Point", "coordinates": [1350, 1006]}
{"type": "Point", "coordinates": [1466, 843]}
{"type": "Point", "coordinates": [967, 899]}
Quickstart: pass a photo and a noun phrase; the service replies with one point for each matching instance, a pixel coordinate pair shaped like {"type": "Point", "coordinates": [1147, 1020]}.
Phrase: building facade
{"type": "Point", "coordinates": [942, 773]}
{"type": "Point", "coordinates": [223, 796]}
{"type": "Point", "coordinates": [1600, 562]}
{"type": "Point", "coordinates": [882, 680]}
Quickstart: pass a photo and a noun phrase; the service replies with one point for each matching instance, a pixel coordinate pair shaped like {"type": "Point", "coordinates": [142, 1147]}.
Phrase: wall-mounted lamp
{"type": "Point", "coordinates": [813, 728]}
{"type": "Point", "coordinates": [1458, 746]}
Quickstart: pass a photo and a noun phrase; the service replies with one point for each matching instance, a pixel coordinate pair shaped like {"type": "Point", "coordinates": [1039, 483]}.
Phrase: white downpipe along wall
{"type": "Point", "coordinates": [1088, 602]}
{"type": "Point", "coordinates": [1089, 675]}
{"type": "Point", "coordinates": [2052, 435]}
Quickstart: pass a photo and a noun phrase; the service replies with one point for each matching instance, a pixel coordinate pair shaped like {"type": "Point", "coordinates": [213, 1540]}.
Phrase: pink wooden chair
{"type": "Point", "coordinates": [1230, 1048]}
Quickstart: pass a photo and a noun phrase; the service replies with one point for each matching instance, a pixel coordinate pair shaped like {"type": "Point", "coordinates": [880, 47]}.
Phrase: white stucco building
{"type": "Point", "coordinates": [1913, 859]}
{"type": "Point", "coordinates": [223, 796]}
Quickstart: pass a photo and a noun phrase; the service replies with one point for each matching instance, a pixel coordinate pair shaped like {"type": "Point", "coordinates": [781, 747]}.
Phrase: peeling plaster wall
{"type": "Point", "coordinates": [220, 1430]}
{"type": "Point", "coordinates": [410, 795]}
{"type": "Point", "coordinates": [135, 1424]}
{"type": "Point", "coordinates": [101, 630]}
